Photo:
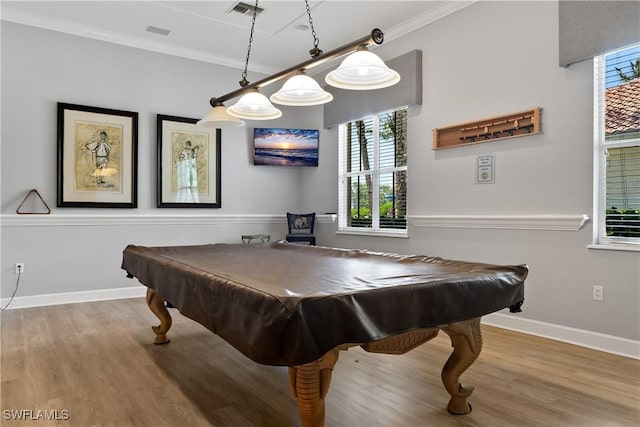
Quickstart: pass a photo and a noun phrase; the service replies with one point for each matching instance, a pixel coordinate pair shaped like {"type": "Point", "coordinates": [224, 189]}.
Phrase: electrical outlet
{"type": "Point", "coordinates": [19, 268]}
{"type": "Point", "coordinates": [598, 293]}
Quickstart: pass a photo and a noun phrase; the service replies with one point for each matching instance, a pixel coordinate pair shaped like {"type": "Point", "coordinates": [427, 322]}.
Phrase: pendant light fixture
{"type": "Point", "coordinates": [302, 90]}
{"type": "Point", "coordinates": [218, 117]}
{"type": "Point", "coordinates": [253, 105]}
{"type": "Point", "coordinates": [362, 70]}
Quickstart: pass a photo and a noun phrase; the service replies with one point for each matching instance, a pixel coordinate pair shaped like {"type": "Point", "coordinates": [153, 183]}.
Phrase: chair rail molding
{"type": "Point", "coordinates": [10, 220]}
{"type": "Point", "coordinates": [64, 220]}
{"type": "Point", "coordinates": [550, 222]}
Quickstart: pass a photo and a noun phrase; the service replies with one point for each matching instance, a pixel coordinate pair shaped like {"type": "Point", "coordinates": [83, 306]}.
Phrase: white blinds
{"type": "Point", "coordinates": [623, 192]}
{"type": "Point", "coordinates": [373, 172]}
{"type": "Point", "coordinates": [617, 119]}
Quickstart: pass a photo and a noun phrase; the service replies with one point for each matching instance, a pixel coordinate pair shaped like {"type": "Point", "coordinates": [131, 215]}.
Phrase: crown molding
{"type": "Point", "coordinates": [418, 21]}
{"type": "Point", "coordinates": [62, 26]}
{"type": "Point", "coordinates": [59, 25]}
{"type": "Point", "coordinates": [428, 17]}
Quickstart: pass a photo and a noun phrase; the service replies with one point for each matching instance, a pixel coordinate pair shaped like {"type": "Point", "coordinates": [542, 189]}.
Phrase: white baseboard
{"type": "Point", "coordinates": [74, 297]}
{"type": "Point", "coordinates": [597, 341]}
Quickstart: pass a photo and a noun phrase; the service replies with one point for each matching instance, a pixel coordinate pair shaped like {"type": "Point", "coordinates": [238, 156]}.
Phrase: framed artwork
{"type": "Point", "coordinates": [188, 164]}
{"type": "Point", "coordinates": [97, 157]}
{"type": "Point", "coordinates": [285, 147]}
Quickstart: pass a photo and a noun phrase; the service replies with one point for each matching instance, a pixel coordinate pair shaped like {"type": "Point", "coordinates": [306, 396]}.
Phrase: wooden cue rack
{"type": "Point", "coordinates": [487, 130]}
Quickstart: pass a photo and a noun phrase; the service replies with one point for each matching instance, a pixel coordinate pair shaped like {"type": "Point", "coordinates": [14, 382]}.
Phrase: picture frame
{"type": "Point", "coordinates": [188, 164]}
{"type": "Point", "coordinates": [285, 147]}
{"type": "Point", "coordinates": [97, 165]}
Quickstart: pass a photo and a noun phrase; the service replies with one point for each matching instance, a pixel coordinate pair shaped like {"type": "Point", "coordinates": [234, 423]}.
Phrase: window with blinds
{"type": "Point", "coordinates": [372, 192]}
{"type": "Point", "coordinates": [617, 130]}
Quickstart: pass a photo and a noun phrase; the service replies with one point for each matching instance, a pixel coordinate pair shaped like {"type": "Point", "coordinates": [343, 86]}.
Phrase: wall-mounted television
{"type": "Point", "coordinates": [285, 147]}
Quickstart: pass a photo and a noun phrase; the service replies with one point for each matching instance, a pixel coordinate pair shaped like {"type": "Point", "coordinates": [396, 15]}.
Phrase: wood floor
{"type": "Point", "coordinates": [97, 361]}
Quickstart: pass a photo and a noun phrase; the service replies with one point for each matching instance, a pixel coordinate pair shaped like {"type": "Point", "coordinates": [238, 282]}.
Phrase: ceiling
{"type": "Point", "coordinates": [208, 31]}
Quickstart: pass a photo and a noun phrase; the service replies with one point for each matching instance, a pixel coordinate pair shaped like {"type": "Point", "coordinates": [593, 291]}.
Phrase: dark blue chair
{"type": "Point", "coordinates": [301, 228]}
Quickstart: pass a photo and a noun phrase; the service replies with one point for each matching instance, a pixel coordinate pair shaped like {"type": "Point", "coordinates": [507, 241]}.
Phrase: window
{"type": "Point", "coordinates": [372, 194]}
{"type": "Point", "coordinates": [617, 147]}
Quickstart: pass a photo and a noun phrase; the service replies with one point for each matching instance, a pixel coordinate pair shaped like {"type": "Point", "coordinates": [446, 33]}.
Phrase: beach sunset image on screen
{"type": "Point", "coordinates": [285, 147]}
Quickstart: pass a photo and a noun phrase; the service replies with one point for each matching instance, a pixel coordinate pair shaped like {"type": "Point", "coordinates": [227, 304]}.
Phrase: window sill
{"type": "Point", "coordinates": [630, 247]}
{"type": "Point", "coordinates": [374, 233]}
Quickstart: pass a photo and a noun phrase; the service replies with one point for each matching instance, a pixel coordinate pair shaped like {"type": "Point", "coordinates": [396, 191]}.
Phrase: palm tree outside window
{"type": "Point", "coordinates": [373, 173]}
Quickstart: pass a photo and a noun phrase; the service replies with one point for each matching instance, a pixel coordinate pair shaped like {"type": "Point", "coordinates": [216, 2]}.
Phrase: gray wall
{"type": "Point", "coordinates": [489, 59]}
{"type": "Point", "coordinates": [75, 249]}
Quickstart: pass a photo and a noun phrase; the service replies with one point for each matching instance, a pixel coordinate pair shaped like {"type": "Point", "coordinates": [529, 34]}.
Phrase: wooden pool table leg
{"type": "Point", "coordinates": [466, 340]}
{"type": "Point", "coordinates": [309, 385]}
{"type": "Point", "coordinates": [157, 306]}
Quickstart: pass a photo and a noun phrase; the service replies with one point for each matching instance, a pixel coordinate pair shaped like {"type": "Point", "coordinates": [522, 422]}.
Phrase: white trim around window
{"type": "Point", "coordinates": [602, 146]}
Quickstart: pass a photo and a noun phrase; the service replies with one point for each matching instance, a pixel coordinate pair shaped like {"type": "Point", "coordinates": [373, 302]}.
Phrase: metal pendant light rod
{"type": "Point", "coordinates": [376, 36]}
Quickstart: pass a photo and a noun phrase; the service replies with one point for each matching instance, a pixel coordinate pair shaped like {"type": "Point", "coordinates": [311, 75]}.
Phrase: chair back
{"type": "Point", "coordinates": [301, 223]}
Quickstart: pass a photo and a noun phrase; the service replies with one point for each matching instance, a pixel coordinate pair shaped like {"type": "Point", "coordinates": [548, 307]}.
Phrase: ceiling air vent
{"type": "Point", "coordinates": [158, 30]}
{"type": "Point", "coordinates": [245, 9]}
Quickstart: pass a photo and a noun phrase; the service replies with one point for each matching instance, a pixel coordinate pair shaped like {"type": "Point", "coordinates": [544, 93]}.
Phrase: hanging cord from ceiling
{"type": "Point", "coordinates": [244, 82]}
{"type": "Point", "coordinates": [315, 52]}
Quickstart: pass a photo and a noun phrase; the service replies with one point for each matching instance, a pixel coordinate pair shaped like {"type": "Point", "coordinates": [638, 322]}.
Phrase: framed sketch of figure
{"type": "Point", "coordinates": [188, 164]}
{"type": "Point", "coordinates": [97, 157]}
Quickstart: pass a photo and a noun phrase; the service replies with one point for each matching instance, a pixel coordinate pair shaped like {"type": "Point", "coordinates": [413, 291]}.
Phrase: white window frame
{"type": "Point", "coordinates": [375, 172]}
{"type": "Point", "coordinates": [600, 238]}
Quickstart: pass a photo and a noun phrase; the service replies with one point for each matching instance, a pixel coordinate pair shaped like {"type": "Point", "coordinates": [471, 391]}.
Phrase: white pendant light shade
{"type": "Point", "coordinates": [254, 106]}
{"type": "Point", "coordinates": [301, 90]}
{"type": "Point", "coordinates": [362, 70]}
{"type": "Point", "coordinates": [218, 118]}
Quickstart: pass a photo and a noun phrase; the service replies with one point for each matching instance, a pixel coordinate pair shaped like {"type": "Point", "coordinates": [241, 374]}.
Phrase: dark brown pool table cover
{"type": "Point", "coordinates": [285, 304]}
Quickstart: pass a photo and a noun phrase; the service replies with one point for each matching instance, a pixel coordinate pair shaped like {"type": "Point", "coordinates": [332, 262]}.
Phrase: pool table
{"type": "Point", "coordinates": [298, 306]}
